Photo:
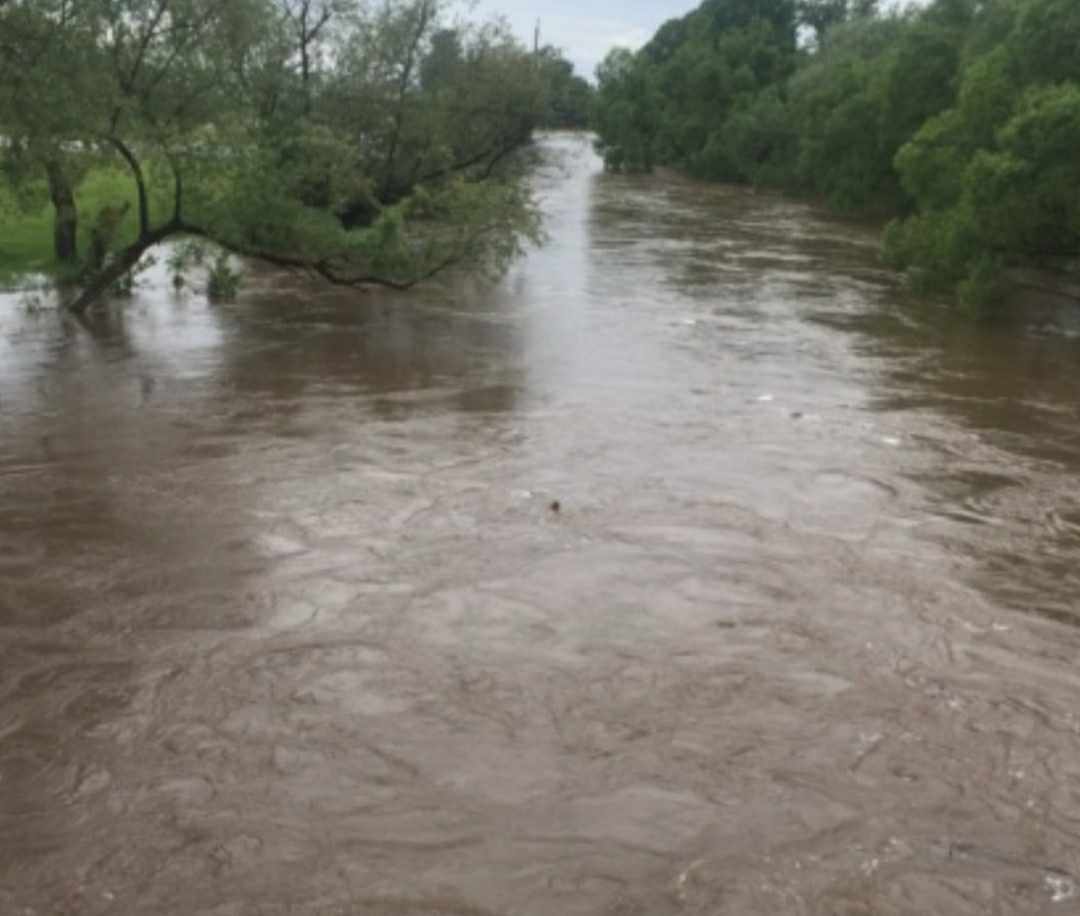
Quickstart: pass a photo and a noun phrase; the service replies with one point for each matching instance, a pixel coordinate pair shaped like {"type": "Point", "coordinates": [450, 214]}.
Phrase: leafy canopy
{"type": "Point", "coordinates": [959, 118]}
{"type": "Point", "coordinates": [371, 143]}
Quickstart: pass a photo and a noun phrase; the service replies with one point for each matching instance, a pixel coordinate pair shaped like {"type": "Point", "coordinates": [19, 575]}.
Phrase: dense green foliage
{"type": "Point", "coordinates": [368, 143]}
{"type": "Point", "coordinates": [960, 118]}
{"type": "Point", "coordinates": [568, 97]}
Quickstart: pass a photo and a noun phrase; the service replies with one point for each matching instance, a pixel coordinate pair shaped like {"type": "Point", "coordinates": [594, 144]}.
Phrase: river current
{"type": "Point", "coordinates": [695, 568]}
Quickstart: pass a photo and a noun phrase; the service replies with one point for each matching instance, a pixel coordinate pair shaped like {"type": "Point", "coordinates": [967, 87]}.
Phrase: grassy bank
{"type": "Point", "coordinates": [26, 227]}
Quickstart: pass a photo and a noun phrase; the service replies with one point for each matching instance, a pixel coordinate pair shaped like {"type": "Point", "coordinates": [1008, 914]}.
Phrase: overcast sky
{"type": "Point", "coordinates": [587, 29]}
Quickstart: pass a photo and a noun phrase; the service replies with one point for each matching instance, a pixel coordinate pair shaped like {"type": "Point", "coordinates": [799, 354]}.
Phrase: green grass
{"type": "Point", "coordinates": [25, 239]}
{"type": "Point", "coordinates": [26, 234]}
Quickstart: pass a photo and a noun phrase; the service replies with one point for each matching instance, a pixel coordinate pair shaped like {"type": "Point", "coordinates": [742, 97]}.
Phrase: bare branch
{"type": "Point", "coordinates": [128, 83]}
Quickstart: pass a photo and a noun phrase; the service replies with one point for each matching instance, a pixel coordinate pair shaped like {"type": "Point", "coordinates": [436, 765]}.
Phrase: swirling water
{"type": "Point", "coordinates": [288, 624]}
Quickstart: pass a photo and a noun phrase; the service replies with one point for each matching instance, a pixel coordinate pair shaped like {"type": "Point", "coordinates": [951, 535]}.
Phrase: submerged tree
{"type": "Point", "coordinates": [305, 132]}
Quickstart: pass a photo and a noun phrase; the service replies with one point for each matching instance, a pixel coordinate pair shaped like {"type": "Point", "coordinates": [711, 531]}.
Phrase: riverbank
{"type": "Point", "coordinates": [26, 227]}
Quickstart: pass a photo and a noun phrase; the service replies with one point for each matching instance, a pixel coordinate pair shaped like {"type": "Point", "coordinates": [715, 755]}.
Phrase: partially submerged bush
{"type": "Point", "coordinates": [223, 281]}
{"type": "Point", "coordinates": [182, 257]}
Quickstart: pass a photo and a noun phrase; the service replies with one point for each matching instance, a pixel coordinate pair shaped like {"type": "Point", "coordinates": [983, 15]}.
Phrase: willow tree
{"type": "Point", "coordinates": [235, 127]}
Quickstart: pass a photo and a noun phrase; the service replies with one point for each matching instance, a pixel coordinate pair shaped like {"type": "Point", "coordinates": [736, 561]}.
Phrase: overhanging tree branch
{"type": "Point", "coordinates": [125, 260]}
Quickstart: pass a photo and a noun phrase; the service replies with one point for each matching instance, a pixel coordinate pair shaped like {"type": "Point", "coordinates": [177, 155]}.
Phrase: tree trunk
{"type": "Point", "coordinates": [119, 264]}
{"type": "Point", "coordinates": [65, 214]}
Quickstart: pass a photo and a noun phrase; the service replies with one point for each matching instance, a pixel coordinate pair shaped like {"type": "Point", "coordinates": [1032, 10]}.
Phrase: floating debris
{"type": "Point", "coordinates": [1061, 887]}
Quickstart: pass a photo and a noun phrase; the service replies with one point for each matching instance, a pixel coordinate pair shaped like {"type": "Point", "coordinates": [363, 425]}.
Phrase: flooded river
{"type": "Point", "coordinates": [289, 623]}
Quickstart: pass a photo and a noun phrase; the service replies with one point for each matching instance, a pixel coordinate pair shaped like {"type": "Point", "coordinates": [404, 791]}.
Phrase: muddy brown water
{"type": "Point", "coordinates": [289, 626]}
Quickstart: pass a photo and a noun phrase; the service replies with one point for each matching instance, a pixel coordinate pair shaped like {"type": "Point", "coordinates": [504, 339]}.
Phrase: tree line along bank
{"type": "Point", "coordinates": [959, 120]}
